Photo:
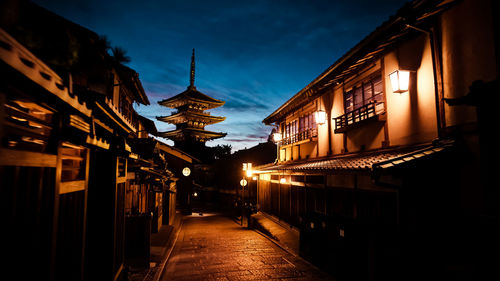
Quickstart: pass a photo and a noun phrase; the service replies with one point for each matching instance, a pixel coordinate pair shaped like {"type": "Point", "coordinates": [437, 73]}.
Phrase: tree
{"type": "Point", "coordinates": [120, 55]}
{"type": "Point", "coordinates": [221, 151]}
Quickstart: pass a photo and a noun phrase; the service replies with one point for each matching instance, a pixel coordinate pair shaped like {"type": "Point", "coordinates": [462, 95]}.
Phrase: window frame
{"type": "Point", "coordinates": [349, 96]}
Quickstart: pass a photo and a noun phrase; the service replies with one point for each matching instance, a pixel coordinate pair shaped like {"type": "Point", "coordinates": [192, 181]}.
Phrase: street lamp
{"type": "Point", "coordinates": [243, 183]}
{"type": "Point", "coordinates": [248, 172]}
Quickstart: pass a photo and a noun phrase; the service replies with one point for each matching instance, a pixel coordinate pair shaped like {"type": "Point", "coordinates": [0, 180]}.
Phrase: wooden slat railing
{"type": "Point", "coordinates": [363, 113]}
{"type": "Point", "coordinates": [303, 135]}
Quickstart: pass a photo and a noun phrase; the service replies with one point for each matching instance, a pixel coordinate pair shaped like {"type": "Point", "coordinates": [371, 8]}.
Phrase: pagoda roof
{"type": "Point", "coordinates": [181, 134]}
{"type": "Point", "coordinates": [191, 96]}
{"type": "Point", "coordinates": [185, 116]}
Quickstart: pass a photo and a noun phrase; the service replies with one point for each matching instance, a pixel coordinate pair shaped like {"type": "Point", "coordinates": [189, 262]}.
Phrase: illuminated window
{"type": "Point", "coordinates": [370, 91]}
{"type": "Point", "coordinates": [299, 129]}
{"type": "Point", "coordinates": [26, 126]}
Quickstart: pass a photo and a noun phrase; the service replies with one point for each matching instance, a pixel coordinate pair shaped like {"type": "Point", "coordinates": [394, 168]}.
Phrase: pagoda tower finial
{"type": "Point", "coordinates": [191, 117]}
{"type": "Point", "coordinates": [191, 79]}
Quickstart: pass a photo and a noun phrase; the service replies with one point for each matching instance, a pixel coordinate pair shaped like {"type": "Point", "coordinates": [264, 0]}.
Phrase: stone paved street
{"type": "Point", "coordinates": [213, 247]}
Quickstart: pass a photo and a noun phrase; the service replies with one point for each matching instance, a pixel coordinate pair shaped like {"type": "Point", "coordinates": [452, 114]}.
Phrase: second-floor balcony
{"type": "Point", "coordinates": [370, 112]}
{"type": "Point", "coordinates": [303, 135]}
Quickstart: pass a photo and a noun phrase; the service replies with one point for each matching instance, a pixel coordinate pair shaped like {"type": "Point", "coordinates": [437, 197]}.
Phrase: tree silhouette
{"type": "Point", "coordinates": [120, 55]}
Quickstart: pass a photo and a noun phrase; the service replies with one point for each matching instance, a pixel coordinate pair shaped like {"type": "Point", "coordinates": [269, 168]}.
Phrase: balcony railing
{"type": "Point", "coordinates": [355, 117]}
{"type": "Point", "coordinates": [303, 135]}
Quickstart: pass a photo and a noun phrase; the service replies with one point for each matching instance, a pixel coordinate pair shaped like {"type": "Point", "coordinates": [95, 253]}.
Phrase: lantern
{"type": "Point", "coordinates": [277, 137]}
{"type": "Point", "coordinates": [320, 117]}
{"type": "Point", "coordinates": [400, 81]}
{"type": "Point", "coordinates": [249, 173]}
{"type": "Point", "coordinates": [243, 182]}
{"type": "Point", "coordinates": [186, 171]}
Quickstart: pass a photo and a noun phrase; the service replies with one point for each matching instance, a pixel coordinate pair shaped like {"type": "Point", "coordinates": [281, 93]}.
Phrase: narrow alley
{"type": "Point", "coordinates": [214, 247]}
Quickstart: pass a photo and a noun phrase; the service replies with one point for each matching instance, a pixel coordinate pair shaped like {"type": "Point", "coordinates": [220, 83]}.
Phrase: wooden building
{"type": "Point", "coordinates": [44, 167]}
{"type": "Point", "coordinates": [381, 164]}
{"type": "Point", "coordinates": [191, 117]}
{"type": "Point", "coordinates": [69, 174]}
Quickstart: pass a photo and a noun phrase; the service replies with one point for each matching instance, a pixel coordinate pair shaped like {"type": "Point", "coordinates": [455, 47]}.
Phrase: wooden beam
{"type": "Point", "coordinates": [72, 186]}
{"type": "Point", "coordinates": [10, 157]}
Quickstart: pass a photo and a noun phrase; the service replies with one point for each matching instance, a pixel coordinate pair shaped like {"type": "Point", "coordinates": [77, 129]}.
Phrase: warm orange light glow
{"type": "Point", "coordinates": [243, 182]}
{"type": "Point", "coordinates": [283, 180]}
{"type": "Point", "coordinates": [320, 117]}
{"type": "Point", "coordinates": [400, 81]}
{"type": "Point", "coordinates": [277, 137]}
{"type": "Point", "coordinates": [247, 166]}
{"type": "Point", "coordinates": [249, 173]}
{"type": "Point", "coordinates": [254, 178]}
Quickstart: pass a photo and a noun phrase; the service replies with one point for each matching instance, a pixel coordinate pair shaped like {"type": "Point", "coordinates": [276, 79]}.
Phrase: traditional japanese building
{"type": "Point", "coordinates": [191, 117]}
{"type": "Point", "coordinates": [382, 160]}
{"type": "Point", "coordinates": [78, 191]}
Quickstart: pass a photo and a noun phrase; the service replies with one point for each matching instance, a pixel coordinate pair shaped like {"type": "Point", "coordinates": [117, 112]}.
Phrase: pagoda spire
{"type": "Point", "coordinates": [191, 79]}
{"type": "Point", "coordinates": [191, 117]}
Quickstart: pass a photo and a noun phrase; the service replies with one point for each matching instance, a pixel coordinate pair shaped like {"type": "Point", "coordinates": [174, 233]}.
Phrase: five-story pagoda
{"type": "Point", "coordinates": [191, 117]}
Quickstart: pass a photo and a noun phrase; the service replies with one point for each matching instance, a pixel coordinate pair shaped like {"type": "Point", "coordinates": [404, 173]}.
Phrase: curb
{"type": "Point", "coordinates": [162, 266]}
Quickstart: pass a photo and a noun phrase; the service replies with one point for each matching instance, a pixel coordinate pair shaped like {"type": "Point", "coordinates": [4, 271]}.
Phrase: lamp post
{"type": "Point", "coordinates": [243, 183]}
{"type": "Point", "coordinates": [186, 172]}
{"type": "Point", "coordinates": [248, 172]}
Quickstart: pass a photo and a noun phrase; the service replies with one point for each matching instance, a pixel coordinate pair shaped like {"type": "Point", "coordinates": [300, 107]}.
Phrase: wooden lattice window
{"type": "Point", "coordinates": [27, 126]}
{"type": "Point", "coordinates": [370, 91]}
{"type": "Point", "coordinates": [73, 168]}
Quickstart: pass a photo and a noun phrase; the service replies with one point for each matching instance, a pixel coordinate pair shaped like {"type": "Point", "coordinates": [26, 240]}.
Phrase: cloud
{"type": "Point", "coordinates": [254, 55]}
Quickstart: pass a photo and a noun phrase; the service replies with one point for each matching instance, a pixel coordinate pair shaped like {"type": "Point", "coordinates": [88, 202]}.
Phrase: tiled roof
{"type": "Point", "coordinates": [191, 94]}
{"type": "Point", "coordinates": [367, 161]}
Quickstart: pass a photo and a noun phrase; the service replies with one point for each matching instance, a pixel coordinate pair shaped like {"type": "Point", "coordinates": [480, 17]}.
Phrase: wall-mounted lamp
{"type": "Point", "coordinates": [320, 117]}
{"type": "Point", "coordinates": [277, 137]}
{"type": "Point", "coordinates": [283, 180]}
{"type": "Point", "coordinates": [400, 81]}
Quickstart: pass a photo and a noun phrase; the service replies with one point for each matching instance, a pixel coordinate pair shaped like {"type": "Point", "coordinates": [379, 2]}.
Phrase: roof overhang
{"type": "Point", "coordinates": [374, 162]}
{"type": "Point", "coordinates": [21, 59]}
{"type": "Point", "coordinates": [366, 52]}
{"type": "Point", "coordinates": [185, 116]}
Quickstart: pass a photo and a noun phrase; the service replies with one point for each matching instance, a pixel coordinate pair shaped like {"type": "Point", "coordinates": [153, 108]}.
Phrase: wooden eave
{"type": "Point", "coordinates": [113, 114]}
{"type": "Point", "coordinates": [366, 52]}
{"type": "Point", "coordinates": [369, 161]}
{"type": "Point", "coordinates": [132, 81]}
{"type": "Point", "coordinates": [176, 152]}
{"type": "Point", "coordinates": [21, 59]}
{"type": "Point", "coordinates": [180, 133]}
{"type": "Point", "coordinates": [185, 116]}
{"type": "Point", "coordinates": [191, 96]}
{"type": "Point", "coordinates": [148, 124]}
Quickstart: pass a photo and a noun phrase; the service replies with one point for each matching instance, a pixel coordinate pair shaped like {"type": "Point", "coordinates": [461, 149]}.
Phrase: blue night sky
{"type": "Point", "coordinates": [254, 55]}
